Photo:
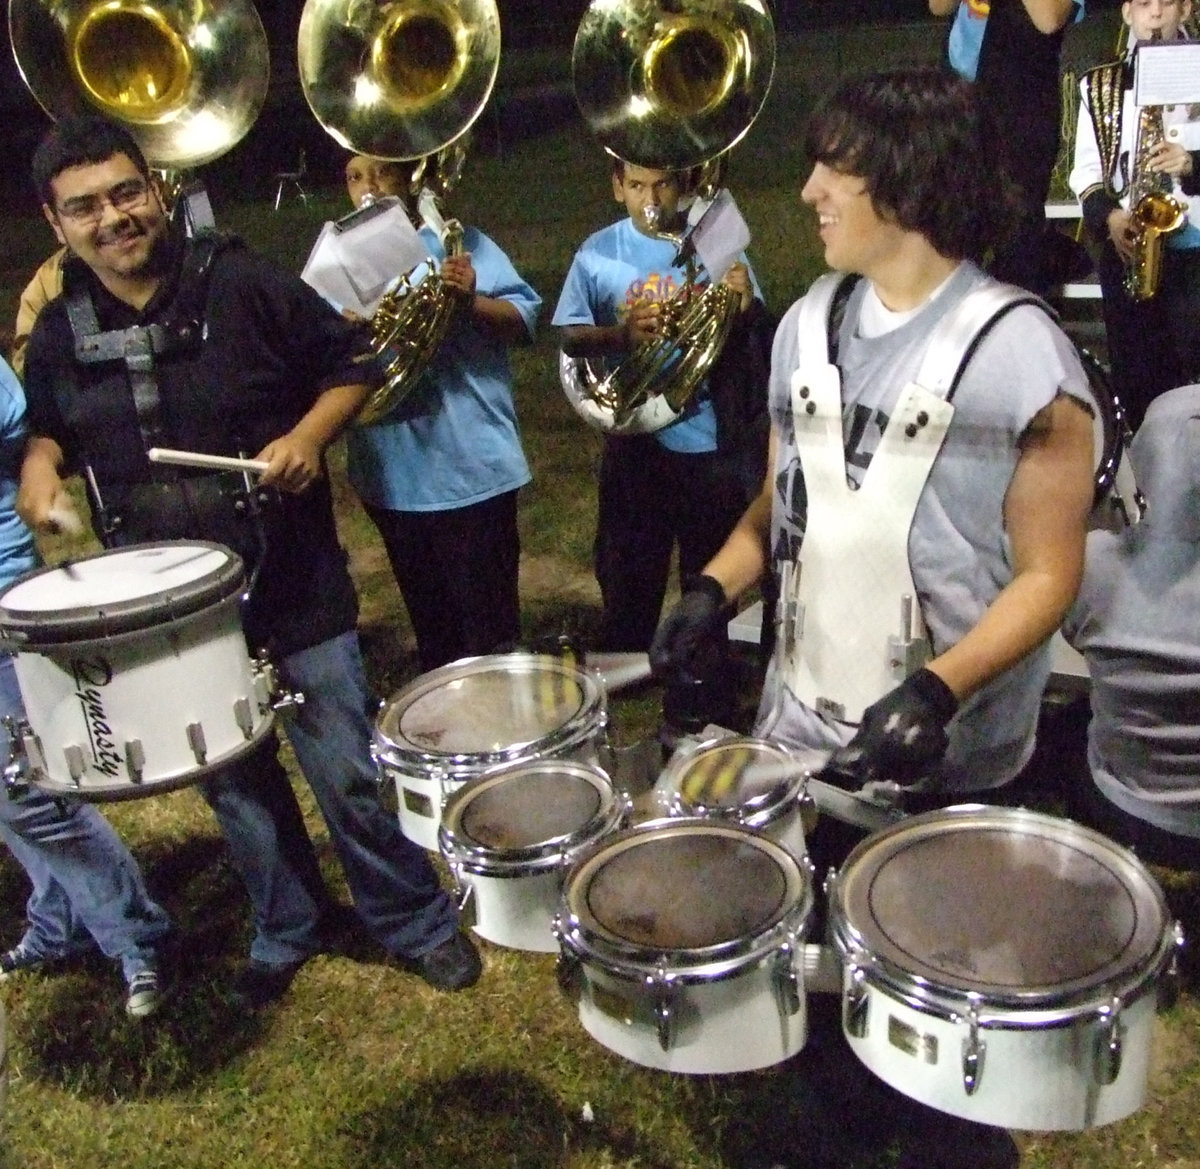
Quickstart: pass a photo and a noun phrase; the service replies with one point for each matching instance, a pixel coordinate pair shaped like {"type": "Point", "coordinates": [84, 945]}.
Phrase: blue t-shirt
{"type": "Point", "coordinates": [17, 552]}
{"type": "Point", "coordinates": [614, 269]}
{"type": "Point", "coordinates": [454, 440]}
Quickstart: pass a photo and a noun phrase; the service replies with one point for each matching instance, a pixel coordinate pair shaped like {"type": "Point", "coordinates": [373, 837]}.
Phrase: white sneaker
{"type": "Point", "coordinates": [145, 994]}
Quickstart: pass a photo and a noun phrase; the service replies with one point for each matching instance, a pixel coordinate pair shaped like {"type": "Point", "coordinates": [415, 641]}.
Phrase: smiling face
{"type": "Point", "coordinates": [373, 177]}
{"type": "Point", "coordinates": [1150, 18]}
{"type": "Point", "coordinates": [110, 215]}
{"type": "Point", "coordinates": [856, 237]}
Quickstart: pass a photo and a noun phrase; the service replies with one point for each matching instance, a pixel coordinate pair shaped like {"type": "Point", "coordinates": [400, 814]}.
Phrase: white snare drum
{"type": "Point", "coordinates": [134, 671]}
{"type": "Point", "coordinates": [1002, 966]}
{"type": "Point", "coordinates": [458, 721]}
{"type": "Point", "coordinates": [684, 940]}
{"type": "Point", "coordinates": [716, 779]}
{"type": "Point", "coordinates": [509, 838]}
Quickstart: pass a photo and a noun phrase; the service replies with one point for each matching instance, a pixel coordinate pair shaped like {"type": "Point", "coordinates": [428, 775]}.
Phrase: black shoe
{"type": "Point", "coordinates": [454, 965]}
{"type": "Point", "coordinates": [262, 983]}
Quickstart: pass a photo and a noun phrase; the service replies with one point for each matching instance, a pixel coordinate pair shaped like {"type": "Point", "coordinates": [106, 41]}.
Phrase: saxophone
{"type": "Point", "coordinates": [1154, 211]}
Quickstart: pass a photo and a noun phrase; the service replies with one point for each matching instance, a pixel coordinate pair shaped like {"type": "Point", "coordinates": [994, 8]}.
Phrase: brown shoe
{"type": "Point", "coordinates": [453, 965]}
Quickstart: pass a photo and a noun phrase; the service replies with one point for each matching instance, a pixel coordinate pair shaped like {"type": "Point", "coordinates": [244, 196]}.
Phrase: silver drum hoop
{"type": "Point", "coordinates": [698, 899]}
{"type": "Point", "coordinates": [1016, 918]}
{"type": "Point", "coordinates": [719, 768]}
{"type": "Point", "coordinates": [477, 714]}
{"type": "Point", "coordinates": [528, 818]}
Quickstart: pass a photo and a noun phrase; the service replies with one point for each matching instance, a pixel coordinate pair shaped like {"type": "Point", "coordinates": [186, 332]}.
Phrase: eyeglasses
{"type": "Point", "coordinates": [126, 196]}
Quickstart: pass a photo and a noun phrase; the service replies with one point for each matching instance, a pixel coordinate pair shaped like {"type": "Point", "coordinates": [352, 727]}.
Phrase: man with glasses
{"type": "Point", "coordinates": [160, 340]}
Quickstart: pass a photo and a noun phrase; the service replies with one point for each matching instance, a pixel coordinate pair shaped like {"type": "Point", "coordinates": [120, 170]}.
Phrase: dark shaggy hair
{"type": "Point", "coordinates": [915, 136]}
{"type": "Point", "coordinates": [81, 140]}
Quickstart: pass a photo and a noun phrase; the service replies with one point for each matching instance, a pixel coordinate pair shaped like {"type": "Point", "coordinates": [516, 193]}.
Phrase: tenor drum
{"type": "Point", "coordinates": [752, 782]}
{"type": "Point", "coordinates": [461, 720]}
{"type": "Point", "coordinates": [133, 670]}
{"type": "Point", "coordinates": [1002, 966]}
{"type": "Point", "coordinates": [509, 838]}
{"type": "Point", "coordinates": [684, 941]}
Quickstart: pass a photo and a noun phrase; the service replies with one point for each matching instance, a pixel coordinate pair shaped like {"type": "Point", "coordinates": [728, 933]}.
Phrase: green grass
{"type": "Point", "coordinates": [363, 1066]}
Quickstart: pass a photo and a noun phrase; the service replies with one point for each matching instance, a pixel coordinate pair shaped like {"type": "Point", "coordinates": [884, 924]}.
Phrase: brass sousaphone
{"type": "Point", "coordinates": [187, 78]}
{"type": "Point", "coordinates": [404, 81]}
{"type": "Point", "coordinates": [670, 86]}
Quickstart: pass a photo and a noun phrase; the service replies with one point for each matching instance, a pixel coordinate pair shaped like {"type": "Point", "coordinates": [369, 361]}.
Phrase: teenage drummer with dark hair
{"type": "Point", "coordinates": [926, 503]}
{"type": "Point", "coordinates": [198, 344]}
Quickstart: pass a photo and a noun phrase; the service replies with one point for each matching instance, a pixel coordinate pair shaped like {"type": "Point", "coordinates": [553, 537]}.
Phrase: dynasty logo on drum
{"type": "Point", "coordinates": [91, 676]}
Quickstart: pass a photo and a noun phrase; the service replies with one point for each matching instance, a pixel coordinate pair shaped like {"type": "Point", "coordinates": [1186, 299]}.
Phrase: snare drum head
{"type": "Point", "coordinates": [119, 591]}
{"type": "Point", "coordinates": [684, 886]}
{"type": "Point", "coordinates": [720, 776]}
{"type": "Point", "coordinates": [1001, 902]}
{"type": "Point", "coordinates": [489, 709]}
{"type": "Point", "coordinates": [536, 804]}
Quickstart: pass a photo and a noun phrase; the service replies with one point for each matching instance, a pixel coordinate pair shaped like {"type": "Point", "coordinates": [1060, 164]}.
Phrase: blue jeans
{"type": "Point", "coordinates": [85, 881]}
{"type": "Point", "coordinates": [394, 886]}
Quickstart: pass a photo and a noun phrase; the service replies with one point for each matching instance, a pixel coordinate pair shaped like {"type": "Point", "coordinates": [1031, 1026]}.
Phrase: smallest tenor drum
{"type": "Point", "coordinates": [510, 836]}
{"type": "Point", "coordinates": [684, 941]}
{"type": "Point", "coordinates": [740, 780]}
{"type": "Point", "coordinates": [1004, 966]}
{"type": "Point", "coordinates": [134, 670]}
{"type": "Point", "coordinates": [461, 720]}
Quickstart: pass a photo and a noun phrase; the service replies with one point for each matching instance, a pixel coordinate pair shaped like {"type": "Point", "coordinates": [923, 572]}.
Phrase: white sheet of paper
{"type": "Point", "coordinates": [720, 236]}
{"type": "Point", "coordinates": [1167, 73]}
{"type": "Point", "coordinates": [355, 260]}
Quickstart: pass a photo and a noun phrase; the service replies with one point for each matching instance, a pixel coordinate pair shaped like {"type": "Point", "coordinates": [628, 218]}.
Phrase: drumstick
{"type": "Point", "coordinates": [160, 454]}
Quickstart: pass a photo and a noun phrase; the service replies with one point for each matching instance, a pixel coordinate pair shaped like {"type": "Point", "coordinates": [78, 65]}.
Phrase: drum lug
{"type": "Point", "coordinates": [974, 1049]}
{"type": "Point", "coordinates": [568, 969]}
{"type": "Point", "coordinates": [855, 1003]}
{"type": "Point", "coordinates": [135, 755]}
{"type": "Point", "coordinates": [243, 716]}
{"type": "Point", "coordinates": [788, 989]}
{"type": "Point", "coordinates": [1168, 985]}
{"type": "Point", "coordinates": [17, 769]}
{"type": "Point", "coordinates": [1109, 1044]}
{"type": "Point", "coordinates": [463, 890]}
{"type": "Point", "coordinates": [195, 738]}
{"type": "Point", "coordinates": [270, 691]}
{"type": "Point", "coordinates": [660, 983]}
{"type": "Point", "coordinates": [76, 765]}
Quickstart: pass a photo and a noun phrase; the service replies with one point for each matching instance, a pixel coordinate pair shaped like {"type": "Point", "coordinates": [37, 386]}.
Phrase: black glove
{"type": "Point", "coordinates": [695, 622]}
{"type": "Point", "coordinates": [901, 737]}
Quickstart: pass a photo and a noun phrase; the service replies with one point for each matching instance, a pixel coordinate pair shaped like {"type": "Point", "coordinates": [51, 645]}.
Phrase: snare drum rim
{"type": "Point", "coordinates": [998, 1009]}
{"type": "Point", "coordinates": [408, 758]}
{"type": "Point", "coordinates": [33, 629]}
{"type": "Point", "coordinates": [758, 812]}
{"type": "Point", "coordinates": [557, 852]}
{"type": "Point", "coordinates": [628, 960]}
{"type": "Point", "coordinates": [1112, 420]}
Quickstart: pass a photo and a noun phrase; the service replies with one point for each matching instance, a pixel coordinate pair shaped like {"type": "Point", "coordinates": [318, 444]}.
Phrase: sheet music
{"type": "Point", "coordinates": [720, 236]}
{"type": "Point", "coordinates": [355, 260]}
{"type": "Point", "coordinates": [1167, 73]}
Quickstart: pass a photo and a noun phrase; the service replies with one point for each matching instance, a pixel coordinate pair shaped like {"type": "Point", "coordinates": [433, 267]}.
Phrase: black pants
{"type": "Point", "coordinates": [652, 499]}
{"type": "Point", "coordinates": [1153, 345]}
{"type": "Point", "coordinates": [457, 572]}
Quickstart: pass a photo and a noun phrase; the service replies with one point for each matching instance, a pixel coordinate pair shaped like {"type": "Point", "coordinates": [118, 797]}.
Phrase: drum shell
{"type": "Point", "coordinates": [426, 775]}
{"type": "Point", "coordinates": [779, 813]}
{"type": "Point", "coordinates": [97, 692]}
{"type": "Point", "coordinates": [516, 891]}
{"type": "Point", "coordinates": [737, 1009]}
{"type": "Point", "coordinates": [1042, 1052]}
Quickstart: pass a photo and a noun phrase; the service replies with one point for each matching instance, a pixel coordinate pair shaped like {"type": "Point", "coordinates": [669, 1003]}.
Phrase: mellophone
{"type": "Point", "coordinates": [997, 964]}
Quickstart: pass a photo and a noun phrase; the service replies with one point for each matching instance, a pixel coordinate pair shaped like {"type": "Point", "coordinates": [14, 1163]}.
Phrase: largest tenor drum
{"type": "Point", "coordinates": [461, 720]}
{"type": "Point", "coordinates": [1002, 966]}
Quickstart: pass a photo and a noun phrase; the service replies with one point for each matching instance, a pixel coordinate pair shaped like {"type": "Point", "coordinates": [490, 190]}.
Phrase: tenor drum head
{"type": "Point", "coordinates": [484, 711]}
{"type": "Point", "coordinates": [1013, 906]}
{"type": "Point", "coordinates": [117, 592]}
{"type": "Point", "coordinates": [536, 807]}
{"type": "Point", "coordinates": [699, 887]}
{"type": "Point", "coordinates": [719, 777]}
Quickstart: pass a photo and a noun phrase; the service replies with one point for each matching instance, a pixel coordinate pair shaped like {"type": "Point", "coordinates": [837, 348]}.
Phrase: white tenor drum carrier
{"type": "Point", "coordinates": [1003, 966]}
{"type": "Point", "coordinates": [461, 720]}
{"type": "Point", "coordinates": [134, 670]}
{"type": "Point", "coordinates": [684, 942]}
{"type": "Point", "coordinates": [509, 838]}
{"type": "Point", "coordinates": [742, 780]}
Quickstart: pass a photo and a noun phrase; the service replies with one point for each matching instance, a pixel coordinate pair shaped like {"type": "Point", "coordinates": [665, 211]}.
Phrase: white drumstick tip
{"type": "Point", "coordinates": [65, 519]}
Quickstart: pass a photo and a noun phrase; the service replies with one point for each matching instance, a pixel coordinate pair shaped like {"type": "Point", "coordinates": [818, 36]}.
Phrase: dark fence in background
{"type": "Point", "coordinates": [528, 99]}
